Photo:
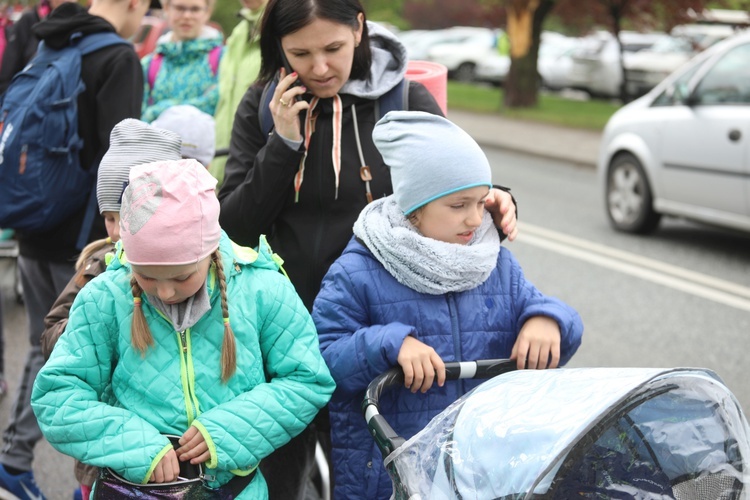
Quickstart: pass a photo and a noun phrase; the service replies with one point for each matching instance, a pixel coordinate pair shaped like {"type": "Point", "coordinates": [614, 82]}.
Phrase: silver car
{"type": "Point", "coordinates": [683, 149]}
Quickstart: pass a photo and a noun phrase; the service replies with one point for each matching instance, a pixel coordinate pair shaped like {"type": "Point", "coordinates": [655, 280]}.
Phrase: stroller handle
{"type": "Point", "coordinates": [384, 435]}
{"type": "Point", "coordinates": [221, 152]}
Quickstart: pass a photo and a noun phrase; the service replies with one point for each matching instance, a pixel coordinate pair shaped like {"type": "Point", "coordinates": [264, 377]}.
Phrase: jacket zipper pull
{"type": "Point", "coordinates": [183, 341]}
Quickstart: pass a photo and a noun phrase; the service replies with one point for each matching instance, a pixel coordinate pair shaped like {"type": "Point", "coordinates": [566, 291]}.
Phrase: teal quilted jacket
{"type": "Point", "coordinates": [185, 77]}
{"type": "Point", "coordinates": [99, 400]}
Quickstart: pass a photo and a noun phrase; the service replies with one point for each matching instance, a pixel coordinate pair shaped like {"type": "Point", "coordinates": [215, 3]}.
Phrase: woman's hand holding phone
{"type": "Point", "coordinates": [286, 105]}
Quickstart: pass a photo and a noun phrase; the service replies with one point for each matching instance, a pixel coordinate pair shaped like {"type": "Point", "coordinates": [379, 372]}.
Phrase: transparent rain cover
{"type": "Point", "coordinates": [582, 432]}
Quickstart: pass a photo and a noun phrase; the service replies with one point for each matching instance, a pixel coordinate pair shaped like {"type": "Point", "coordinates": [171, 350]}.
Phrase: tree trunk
{"type": "Point", "coordinates": [525, 20]}
{"type": "Point", "coordinates": [616, 12]}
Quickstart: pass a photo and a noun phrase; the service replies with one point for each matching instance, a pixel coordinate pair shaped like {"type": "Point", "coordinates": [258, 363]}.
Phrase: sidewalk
{"type": "Point", "coordinates": [578, 146]}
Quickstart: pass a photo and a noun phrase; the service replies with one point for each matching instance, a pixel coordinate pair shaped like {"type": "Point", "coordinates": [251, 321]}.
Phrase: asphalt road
{"type": "Point", "coordinates": [52, 470]}
{"type": "Point", "coordinates": [677, 298]}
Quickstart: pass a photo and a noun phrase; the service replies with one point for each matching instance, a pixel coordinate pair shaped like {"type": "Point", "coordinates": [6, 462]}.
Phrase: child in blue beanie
{"type": "Point", "coordinates": [423, 281]}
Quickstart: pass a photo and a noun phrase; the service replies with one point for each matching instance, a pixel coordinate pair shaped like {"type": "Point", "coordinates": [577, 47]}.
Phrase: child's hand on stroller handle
{"type": "Point", "coordinates": [421, 364]}
{"type": "Point", "coordinates": [385, 437]}
{"type": "Point", "coordinates": [538, 344]}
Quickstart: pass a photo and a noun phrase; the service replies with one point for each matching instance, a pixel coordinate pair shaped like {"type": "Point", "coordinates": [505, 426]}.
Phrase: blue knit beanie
{"type": "Point", "coordinates": [429, 157]}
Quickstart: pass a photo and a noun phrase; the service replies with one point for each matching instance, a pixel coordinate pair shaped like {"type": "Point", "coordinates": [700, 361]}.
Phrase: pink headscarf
{"type": "Point", "coordinates": [169, 214]}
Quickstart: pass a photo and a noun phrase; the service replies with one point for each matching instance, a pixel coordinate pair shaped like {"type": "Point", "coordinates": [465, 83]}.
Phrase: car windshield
{"type": "Point", "coordinates": [728, 81]}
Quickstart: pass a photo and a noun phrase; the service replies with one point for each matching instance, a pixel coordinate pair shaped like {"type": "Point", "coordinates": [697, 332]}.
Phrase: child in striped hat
{"type": "Point", "coordinates": [132, 142]}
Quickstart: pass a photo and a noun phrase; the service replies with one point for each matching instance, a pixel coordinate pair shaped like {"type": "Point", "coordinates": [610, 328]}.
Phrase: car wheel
{"type": "Point", "coordinates": [465, 72]}
{"type": "Point", "coordinates": [629, 200]}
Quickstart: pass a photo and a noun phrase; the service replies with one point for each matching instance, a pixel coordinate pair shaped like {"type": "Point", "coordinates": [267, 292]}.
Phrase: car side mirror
{"type": "Point", "coordinates": [682, 95]}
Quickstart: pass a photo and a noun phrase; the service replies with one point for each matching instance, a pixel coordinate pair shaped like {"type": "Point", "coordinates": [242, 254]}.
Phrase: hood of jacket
{"type": "Point", "coordinates": [388, 66]}
{"type": "Point", "coordinates": [207, 33]}
{"type": "Point", "coordinates": [68, 19]}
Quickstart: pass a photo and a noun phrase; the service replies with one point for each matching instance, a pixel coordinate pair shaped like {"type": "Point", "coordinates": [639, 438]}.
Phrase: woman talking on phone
{"type": "Point", "coordinates": [302, 163]}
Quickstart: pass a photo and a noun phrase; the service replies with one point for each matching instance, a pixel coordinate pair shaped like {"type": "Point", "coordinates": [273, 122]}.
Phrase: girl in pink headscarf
{"type": "Point", "coordinates": [186, 334]}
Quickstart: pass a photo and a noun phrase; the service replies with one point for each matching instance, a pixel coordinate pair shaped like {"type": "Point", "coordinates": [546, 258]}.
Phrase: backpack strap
{"type": "Point", "coordinates": [153, 68]}
{"type": "Point", "coordinates": [87, 45]}
{"type": "Point", "coordinates": [97, 41]}
{"type": "Point", "coordinates": [396, 99]}
{"type": "Point", "coordinates": [88, 219]}
{"type": "Point", "coordinates": [214, 57]}
{"type": "Point", "coordinates": [264, 114]}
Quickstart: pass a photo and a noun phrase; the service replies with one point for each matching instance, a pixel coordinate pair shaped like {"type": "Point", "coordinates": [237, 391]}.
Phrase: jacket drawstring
{"type": "Point", "coordinates": [364, 171]}
{"type": "Point", "coordinates": [338, 112]}
{"type": "Point", "coordinates": [308, 132]}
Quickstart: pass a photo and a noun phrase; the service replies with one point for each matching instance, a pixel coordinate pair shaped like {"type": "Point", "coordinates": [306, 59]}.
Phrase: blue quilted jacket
{"type": "Point", "coordinates": [99, 400]}
{"type": "Point", "coordinates": [363, 315]}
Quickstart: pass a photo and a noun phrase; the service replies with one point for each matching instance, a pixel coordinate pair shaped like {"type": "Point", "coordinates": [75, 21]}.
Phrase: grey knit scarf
{"type": "Point", "coordinates": [185, 314]}
{"type": "Point", "coordinates": [424, 264]}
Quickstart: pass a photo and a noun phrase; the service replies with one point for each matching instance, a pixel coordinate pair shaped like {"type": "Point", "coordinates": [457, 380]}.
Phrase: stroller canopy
{"type": "Point", "coordinates": [582, 433]}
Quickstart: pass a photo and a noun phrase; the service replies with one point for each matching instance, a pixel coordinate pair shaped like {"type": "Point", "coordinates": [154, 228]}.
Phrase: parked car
{"type": "Point", "coordinates": [462, 56]}
{"type": "Point", "coordinates": [419, 42]}
{"type": "Point", "coordinates": [702, 36]}
{"type": "Point", "coordinates": [596, 61]}
{"type": "Point", "coordinates": [556, 60]}
{"type": "Point", "coordinates": [493, 69]}
{"type": "Point", "coordinates": [553, 63]}
{"type": "Point", "coordinates": [647, 67]}
{"type": "Point", "coordinates": [683, 149]}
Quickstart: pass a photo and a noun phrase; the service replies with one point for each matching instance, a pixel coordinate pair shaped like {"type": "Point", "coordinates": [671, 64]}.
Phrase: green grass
{"type": "Point", "coordinates": [589, 114]}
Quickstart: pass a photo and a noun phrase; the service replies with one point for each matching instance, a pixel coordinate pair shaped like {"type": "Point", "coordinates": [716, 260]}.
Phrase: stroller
{"type": "Point", "coordinates": [595, 433]}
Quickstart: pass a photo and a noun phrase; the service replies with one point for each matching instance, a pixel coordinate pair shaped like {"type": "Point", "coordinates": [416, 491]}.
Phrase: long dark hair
{"type": "Point", "coordinates": [282, 17]}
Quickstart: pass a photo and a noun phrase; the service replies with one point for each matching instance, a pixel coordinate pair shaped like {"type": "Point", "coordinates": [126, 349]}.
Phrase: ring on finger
{"type": "Point", "coordinates": [283, 102]}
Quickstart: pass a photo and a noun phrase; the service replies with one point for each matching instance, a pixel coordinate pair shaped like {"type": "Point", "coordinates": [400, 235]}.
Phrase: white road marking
{"type": "Point", "coordinates": [698, 284]}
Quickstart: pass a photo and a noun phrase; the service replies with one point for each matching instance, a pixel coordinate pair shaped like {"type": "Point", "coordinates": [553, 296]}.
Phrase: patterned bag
{"type": "Point", "coordinates": [190, 485]}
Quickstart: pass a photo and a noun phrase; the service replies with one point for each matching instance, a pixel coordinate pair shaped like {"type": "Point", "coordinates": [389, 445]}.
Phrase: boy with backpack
{"type": "Point", "coordinates": [113, 87]}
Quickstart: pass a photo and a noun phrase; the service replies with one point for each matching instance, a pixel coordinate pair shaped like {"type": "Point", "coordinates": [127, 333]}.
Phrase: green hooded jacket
{"type": "Point", "coordinates": [238, 70]}
{"type": "Point", "coordinates": [102, 402]}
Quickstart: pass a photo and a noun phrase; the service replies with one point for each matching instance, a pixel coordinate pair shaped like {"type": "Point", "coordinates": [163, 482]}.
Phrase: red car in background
{"type": "Point", "coordinates": [148, 33]}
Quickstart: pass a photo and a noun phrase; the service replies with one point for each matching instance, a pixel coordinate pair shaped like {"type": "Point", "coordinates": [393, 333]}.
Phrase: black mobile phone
{"type": "Point", "coordinates": [287, 67]}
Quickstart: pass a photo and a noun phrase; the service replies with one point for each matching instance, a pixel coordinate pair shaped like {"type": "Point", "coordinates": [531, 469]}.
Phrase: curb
{"type": "Point", "coordinates": [577, 146]}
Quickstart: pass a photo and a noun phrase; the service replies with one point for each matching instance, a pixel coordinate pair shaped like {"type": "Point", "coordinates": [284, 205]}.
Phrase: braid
{"type": "Point", "coordinates": [228, 347]}
{"type": "Point", "coordinates": [140, 333]}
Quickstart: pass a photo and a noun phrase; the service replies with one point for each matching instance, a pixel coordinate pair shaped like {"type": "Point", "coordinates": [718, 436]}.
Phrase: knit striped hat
{"type": "Point", "coordinates": [132, 142]}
